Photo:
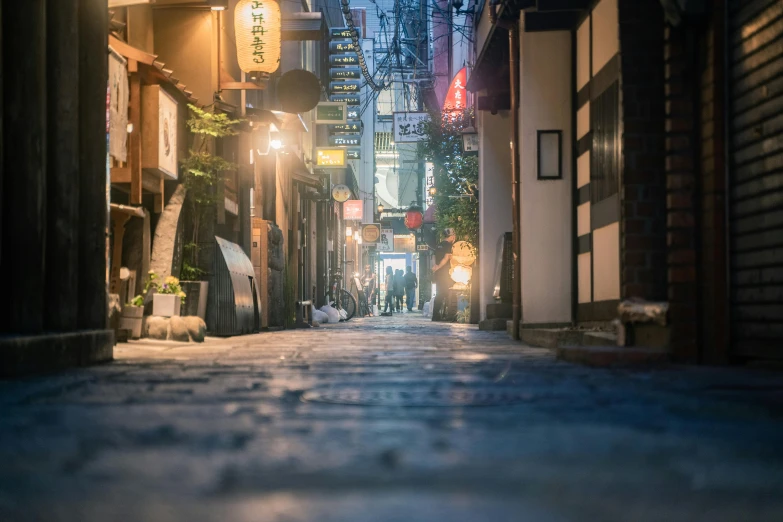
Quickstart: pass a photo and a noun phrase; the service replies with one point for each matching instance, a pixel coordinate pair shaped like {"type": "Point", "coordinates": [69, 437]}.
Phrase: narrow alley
{"type": "Point", "coordinates": [387, 419]}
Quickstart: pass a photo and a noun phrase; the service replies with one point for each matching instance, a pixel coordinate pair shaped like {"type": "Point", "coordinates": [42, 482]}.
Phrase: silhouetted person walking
{"type": "Point", "coordinates": [389, 287]}
{"type": "Point", "coordinates": [440, 272]}
{"type": "Point", "coordinates": [411, 283]}
{"type": "Point", "coordinates": [399, 288]}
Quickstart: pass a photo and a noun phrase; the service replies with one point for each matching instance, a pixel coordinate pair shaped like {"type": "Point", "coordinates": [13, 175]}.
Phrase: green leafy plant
{"type": "Point", "coordinates": [202, 172]}
{"type": "Point", "coordinates": [456, 175]}
{"type": "Point", "coordinates": [137, 301]}
{"type": "Point", "coordinates": [464, 315]}
{"type": "Point", "coordinates": [169, 286]}
{"type": "Point", "coordinates": [190, 272]}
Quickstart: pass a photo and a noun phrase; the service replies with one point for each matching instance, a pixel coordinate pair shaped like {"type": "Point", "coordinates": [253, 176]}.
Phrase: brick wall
{"type": "Point", "coordinates": [643, 212]}
{"type": "Point", "coordinates": [682, 159]}
{"type": "Point", "coordinates": [695, 186]}
{"type": "Point", "coordinates": [712, 269]}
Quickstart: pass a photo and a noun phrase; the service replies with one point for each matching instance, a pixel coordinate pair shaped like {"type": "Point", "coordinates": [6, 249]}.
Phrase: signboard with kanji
{"type": "Point", "coordinates": [346, 86]}
{"type": "Point", "coordinates": [330, 157]}
{"type": "Point", "coordinates": [341, 47]}
{"type": "Point", "coordinates": [386, 241]}
{"type": "Point", "coordinates": [345, 140]}
{"type": "Point", "coordinates": [331, 112]}
{"type": "Point", "coordinates": [345, 73]}
{"type": "Point", "coordinates": [353, 154]}
{"type": "Point", "coordinates": [371, 233]}
{"type": "Point", "coordinates": [410, 127]}
{"type": "Point", "coordinates": [353, 210]}
{"type": "Point", "coordinates": [349, 99]}
{"type": "Point", "coordinates": [344, 59]}
{"type": "Point", "coordinates": [344, 32]}
{"type": "Point", "coordinates": [353, 113]}
{"type": "Point", "coordinates": [341, 193]}
{"type": "Point", "coordinates": [456, 97]}
{"type": "Point", "coordinates": [349, 126]}
{"type": "Point", "coordinates": [405, 243]}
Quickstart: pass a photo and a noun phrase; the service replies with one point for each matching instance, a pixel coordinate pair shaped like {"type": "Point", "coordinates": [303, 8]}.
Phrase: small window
{"type": "Point", "coordinates": [550, 154]}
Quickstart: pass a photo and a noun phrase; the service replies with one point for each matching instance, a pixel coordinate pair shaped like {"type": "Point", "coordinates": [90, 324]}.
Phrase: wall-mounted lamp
{"type": "Point", "coordinates": [348, 232]}
{"type": "Point", "coordinates": [129, 128]}
{"type": "Point", "coordinates": [380, 209]}
{"type": "Point", "coordinates": [218, 5]}
{"type": "Point", "coordinates": [433, 191]}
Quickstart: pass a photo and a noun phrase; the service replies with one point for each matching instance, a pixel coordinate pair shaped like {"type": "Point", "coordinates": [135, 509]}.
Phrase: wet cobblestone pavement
{"type": "Point", "coordinates": [387, 419]}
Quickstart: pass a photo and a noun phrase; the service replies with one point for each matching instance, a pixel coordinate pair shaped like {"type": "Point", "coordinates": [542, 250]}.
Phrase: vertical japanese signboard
{"type": "Point", "coordinates": [386, 241]}
{"type": "Point", "coordinates": [353, 209]}
{"type": "Point", "coordinates": [410, 127]}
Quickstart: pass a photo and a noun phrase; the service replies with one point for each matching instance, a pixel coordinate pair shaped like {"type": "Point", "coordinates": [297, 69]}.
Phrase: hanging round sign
{"type": "Point", "coordinates": [341, 193]}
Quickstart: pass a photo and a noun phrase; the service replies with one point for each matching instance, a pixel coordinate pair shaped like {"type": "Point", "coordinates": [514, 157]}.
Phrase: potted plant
{"type": "Point", "coordinates": [167, 297]}
{"type": "Point", "coordinates": [132, 316]}
{"type": "Point", "coordinates": [202, 173]}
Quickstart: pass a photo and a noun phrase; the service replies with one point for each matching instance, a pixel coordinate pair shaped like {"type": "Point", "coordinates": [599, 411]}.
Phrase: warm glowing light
{"type": "Point", "coordinates": [257, 24]}
{"type": "Point", "coordinates": [276, 144]}
{"type": "Point", "coordinates": [461, 274]}
{"type": "Point", "coordinates": [348, 232]}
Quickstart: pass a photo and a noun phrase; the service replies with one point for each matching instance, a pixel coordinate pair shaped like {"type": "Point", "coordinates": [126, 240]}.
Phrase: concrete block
{"type": "Point", "coordinates": [178, 330]}
{"type": "Point", "coordinates": [613, 356]}
{"type": "Point", "coordinates": [493, 324]}
{"type": "Point", "coordinates": [499, 311]}
{"type": "Point", "coordinates": [197, 328]}
{"type": "Point", "coordinates": [156, 327]}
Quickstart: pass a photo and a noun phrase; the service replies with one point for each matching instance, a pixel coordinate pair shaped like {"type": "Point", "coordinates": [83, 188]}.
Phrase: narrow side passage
{"type": "Point", "coordinates": [387, 419]}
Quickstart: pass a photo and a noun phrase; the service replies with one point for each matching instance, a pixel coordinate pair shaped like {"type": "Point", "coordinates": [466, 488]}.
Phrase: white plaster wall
{"type": "Point", "coordinates": [494, 196]}
{"type": "Point", "coordinates": [546, 205]}
{"type": "Point", "coordinates": [606, 33]}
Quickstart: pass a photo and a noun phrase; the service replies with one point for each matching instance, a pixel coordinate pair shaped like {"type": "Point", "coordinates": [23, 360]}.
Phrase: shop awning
{"type": "Point", "coordinates": [281, 120]}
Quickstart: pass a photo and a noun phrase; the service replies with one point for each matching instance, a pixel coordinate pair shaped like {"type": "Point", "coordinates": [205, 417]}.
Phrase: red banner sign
{"type": "Point", "coordinates": [456, 97]}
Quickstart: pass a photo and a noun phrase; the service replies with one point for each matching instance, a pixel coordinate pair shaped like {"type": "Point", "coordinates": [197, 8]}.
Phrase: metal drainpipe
{"type": "Point", "coordinates": [513, 45]}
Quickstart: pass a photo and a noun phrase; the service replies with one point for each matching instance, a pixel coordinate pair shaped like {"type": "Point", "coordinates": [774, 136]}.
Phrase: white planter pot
{"type": "Point", "coordinates": [131, 319]}
{"type": "Point", "coordinates": [165, 305]}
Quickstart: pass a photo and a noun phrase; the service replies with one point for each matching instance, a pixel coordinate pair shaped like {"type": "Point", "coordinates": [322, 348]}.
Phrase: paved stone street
{"type": "Point", "coordinates": [387, 419]}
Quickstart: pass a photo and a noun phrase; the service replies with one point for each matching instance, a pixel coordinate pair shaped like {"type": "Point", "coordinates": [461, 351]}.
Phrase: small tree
{"type": "Point", "coordinates": [202, 173]}
{"type": "Point", "coordinates": [456, 175]}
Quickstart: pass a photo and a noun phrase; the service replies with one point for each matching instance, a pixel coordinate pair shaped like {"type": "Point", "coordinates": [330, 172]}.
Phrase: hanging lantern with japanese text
{"type": "Point", "coordinates": [258, 24]}
{"type": "Point", "coordinates": [414, 217]}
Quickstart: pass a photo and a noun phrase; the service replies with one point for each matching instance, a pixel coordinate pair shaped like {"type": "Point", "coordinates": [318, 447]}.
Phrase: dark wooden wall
{"type": "Point", "coordinates": [53, 201]}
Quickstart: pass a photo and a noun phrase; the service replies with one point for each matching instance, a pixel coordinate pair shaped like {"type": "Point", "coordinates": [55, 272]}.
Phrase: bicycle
{"type": "Point", "coordinates": [340, 298]}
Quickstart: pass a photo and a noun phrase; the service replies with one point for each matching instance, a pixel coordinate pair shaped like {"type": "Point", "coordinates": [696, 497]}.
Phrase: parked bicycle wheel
{"type": "Point", "coordinates": [348, 303]}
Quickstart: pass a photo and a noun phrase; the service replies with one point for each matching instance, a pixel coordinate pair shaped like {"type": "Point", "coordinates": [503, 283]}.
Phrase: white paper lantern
{"type": "Point", "coordinates": [258, 24]}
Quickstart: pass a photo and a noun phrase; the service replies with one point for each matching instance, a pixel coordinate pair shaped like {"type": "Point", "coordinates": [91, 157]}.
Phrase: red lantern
{"type": "Point", "coordinates": [414, 217]}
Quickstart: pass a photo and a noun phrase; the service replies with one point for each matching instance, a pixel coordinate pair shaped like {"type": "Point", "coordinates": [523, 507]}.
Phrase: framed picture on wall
{"type": "Point", "coordinates": [550, 154]}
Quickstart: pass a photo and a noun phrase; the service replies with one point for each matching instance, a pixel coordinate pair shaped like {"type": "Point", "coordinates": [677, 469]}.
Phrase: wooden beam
{"type": "Point", "coordinates": [24, 149]}
{"type": "Point", "coordinates": [151, 182]}
{"type": "Point", "coordinates": [62, 209]}
{"type": "Point", "coordinates": [551, 21]}
{"type": "Point", "coordinates": [119, 219]}
{"type": "Point", "coordinates": [120, 175]}
{"type": "Point", "coordinates": [238, 86]}
{"type": "Point", "coordinates": [134, 139]}
{"type": "Point", "coordinates": [93, 72]}
{"type": "Point", "coordinates": [131, 52]}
